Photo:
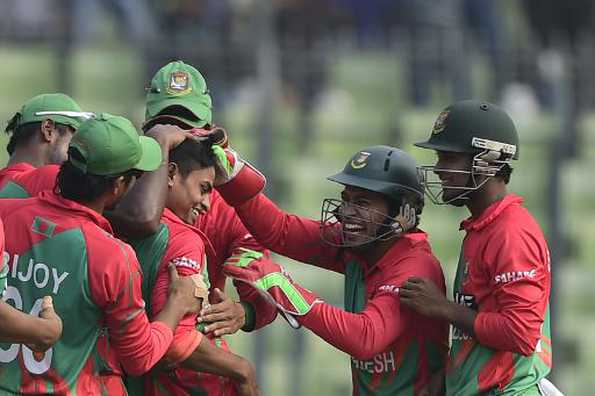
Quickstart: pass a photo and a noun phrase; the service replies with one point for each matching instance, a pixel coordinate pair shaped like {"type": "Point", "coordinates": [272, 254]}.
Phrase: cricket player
{"type": "Point", "coordinates": [62, 246]}
{"type": "Point", "coordinates": [192, 169]}
{"type": "Point", "coordinates": [40, 333]}
{"type": "Point", "coordinates": [500, 314]}
{"type": "Point", "coordinates": [370, 235]}
{"type": "Point", "coordinates": [39, 135]}
{"type": "Point", "coordinates": [178, 95]}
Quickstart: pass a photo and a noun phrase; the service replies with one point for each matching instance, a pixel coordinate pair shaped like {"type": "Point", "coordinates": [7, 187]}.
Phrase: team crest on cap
{"type": "Point", "coordinates": [360, 160]}
{"type": "Point", "coordinates": [440, 123]}
{"type": "Point", "coordinates": [179, 82]}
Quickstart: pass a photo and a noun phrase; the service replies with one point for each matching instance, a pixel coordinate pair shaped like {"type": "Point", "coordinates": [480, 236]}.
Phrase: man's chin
{"type": "Point", "coordinates": [458, 202]}
{"type": "Point", "coordinates": [358, 243]}
{"type": "Point", "coordinates": [454, 198]}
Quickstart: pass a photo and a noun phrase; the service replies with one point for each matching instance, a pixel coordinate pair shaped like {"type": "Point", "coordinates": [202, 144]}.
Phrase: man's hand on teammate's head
{"type": "Point", "coordinates": [424, 297]}
{"type": "Point", "coordinates": [224, 316]}
{"type": "Point", "coordinates": [216, 135]}
{"type": "Point", "coordinates": [169, 136]}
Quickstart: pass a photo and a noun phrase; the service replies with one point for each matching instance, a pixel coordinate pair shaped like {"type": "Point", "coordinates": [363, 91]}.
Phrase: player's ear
{"type": "Point", "coordinates": [121, 185]}
{"type": "Point", "coordinates": [48, 129]}
{"type": "Point", "coordinates": [172, 172]}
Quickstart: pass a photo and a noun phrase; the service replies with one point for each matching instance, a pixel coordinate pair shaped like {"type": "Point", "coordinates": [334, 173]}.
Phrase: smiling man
{"type": "Point", "coordinates": [500, 314]}
{"type": "Point", "coordinates": [195, 362]}
{"type": "Point", "coordinates": [370, 235]}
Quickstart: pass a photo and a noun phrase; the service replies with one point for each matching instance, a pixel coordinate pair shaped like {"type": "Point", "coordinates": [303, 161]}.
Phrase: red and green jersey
{"type": "Point", "coordinates": [65, 250]}
{"type": "Point", "coordinates": [23, 180]}
{"type": "Point", "coordinates": [4, 262]}
{"type": "Point", "coordinates": [503, 274]}
{"type": "Point", "coordinates": [220, 224]}
{"type": "Point", "coordinates": [394, 351]}
{"type": "Point", "coordinates": [183, 245]}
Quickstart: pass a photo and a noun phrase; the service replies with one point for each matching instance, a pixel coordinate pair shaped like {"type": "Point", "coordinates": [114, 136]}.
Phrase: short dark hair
{"type": "Point", "coordinates": [191, 155]}
{"type": "Point", "coordinates": [24, 133]}
{"type": "Point", "coordinates": [74, 184]}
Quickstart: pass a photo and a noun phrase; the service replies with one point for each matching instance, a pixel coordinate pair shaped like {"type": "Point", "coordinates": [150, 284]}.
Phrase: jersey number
{"type": "Point", "coordinates": [32, 365]}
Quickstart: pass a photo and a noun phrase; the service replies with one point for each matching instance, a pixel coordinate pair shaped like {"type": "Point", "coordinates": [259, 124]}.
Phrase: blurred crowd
{"type": "Point", "coordinates": [437, 40]}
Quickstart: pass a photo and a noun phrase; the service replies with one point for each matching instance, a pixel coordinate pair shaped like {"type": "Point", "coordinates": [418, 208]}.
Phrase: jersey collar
{"type": "Point", "coordinates": [173, 218]}
{"type": "Point", "coordinates": [19, 167]}
{"type": "Point", "coordinates": [492, 211]}
{"type": "Point", "coordinates": [401, 247]}
{"type": "Point", "coordinates": [76, 209]}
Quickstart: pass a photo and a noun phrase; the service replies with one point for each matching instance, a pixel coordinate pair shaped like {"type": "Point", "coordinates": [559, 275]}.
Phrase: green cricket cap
{"type": "Point", "coordinates": [57, 107]}
{"type": "Point", "coordinates": [179, 84]}
{"type": "Point", "coordinates": [110, 145]}
{"type": "Point", "coordinates": [472, 126]}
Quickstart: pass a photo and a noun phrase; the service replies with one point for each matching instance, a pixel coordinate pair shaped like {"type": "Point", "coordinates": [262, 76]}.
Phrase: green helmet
{"type": "Point", "coordinates": [478, 128]}
{"type": "Point", "coordinates": [472, 126]}
{"type": "Point", "coordinates": [382, 169]}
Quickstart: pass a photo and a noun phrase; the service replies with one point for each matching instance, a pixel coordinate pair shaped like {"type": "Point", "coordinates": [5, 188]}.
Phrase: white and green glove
{"type": "Point", "coordinates": [238, 181]}
{"type": "Point", "coordinates": [273, 283]}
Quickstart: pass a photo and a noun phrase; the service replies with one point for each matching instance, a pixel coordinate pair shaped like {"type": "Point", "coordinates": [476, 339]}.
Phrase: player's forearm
{"type": "Point", "coordinates": [141, 349]}
{"type": "Point", "coordinates": [18, 327]}
{"type": "Point", "coordinates": [139, 213]}
{"type": "Point", "coordinates": [459, 316]}
{"type": "Point", "coordinates": [171, 314]}
{"type": "Point", "coordinates": [270, 225]}
{"type": "Point", "coordinates": [376, 327]}
{"type": "Point", "coordinates": [504, 331]}
{"type": "Point", "coordinates": [210, 359]}
{"type": "Point", "coordinates": [140, 344]}
{"type": "Point", "coordinates": [287, 234]}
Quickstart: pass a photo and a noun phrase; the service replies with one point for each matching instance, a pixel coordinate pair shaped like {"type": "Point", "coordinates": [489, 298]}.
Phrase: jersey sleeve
{"type": "Point", "coordinates": [289, 235]}
{"type": "Point", "coordinates": [517, 270]}
{"type": "Point", "coordinates": [115, 285]}
{"type": "Point", "coordinates": [3, 263]}
{"type": "Point", "coordinates": [186, 251]}
{"type": "Point", "coordinates": [383, 319]}
{"type": "Point", "coordinates": [39, 179]}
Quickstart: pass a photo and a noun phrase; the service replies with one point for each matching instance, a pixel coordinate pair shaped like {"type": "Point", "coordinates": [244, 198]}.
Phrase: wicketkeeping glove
{"type": "Point", "coordinates": [273, 283]}
{"type": "Point", "coordinates": [230, 162]}
{"type": "Point", "coordinates": [238, 181]}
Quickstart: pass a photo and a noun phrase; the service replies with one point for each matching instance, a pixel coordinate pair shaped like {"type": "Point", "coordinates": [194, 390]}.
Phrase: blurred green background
{"type": "Point", "coordinates": [364, 98]}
